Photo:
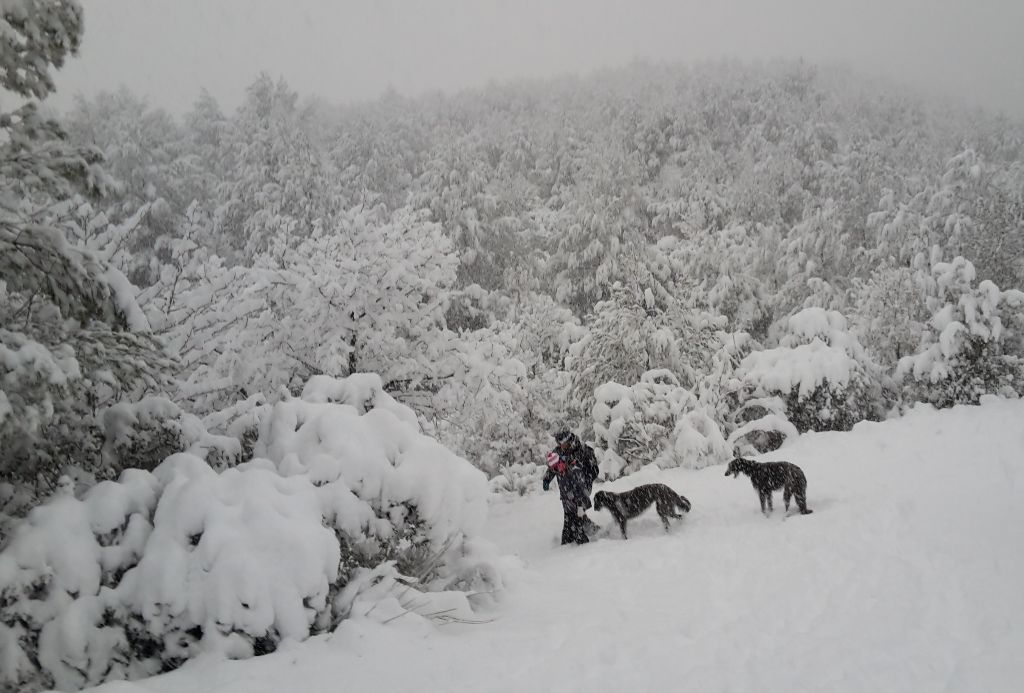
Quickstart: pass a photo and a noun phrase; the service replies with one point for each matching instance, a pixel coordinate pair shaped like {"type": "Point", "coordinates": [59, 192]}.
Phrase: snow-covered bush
{"type": "Point", "coordinates": [890, 313]}
{"type": "Point", "coordinates": [820, 370]}
{"type": "Point", "coordinates": [140, 435]}
{"type": "Point", "coordinates": [969, 347]}
{"type": "Point", "coordinates": [143, 573]}
{"type": "Point", "coordinates": [518, 479]}
{"type": "Point", "coordinates": [654, 421]}
{"type": "Point", "coordinates": [751, 425]}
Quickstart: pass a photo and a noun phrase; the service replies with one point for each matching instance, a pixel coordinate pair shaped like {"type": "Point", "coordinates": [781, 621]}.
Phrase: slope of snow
{"type": "Point", "coordinates": [906, 578]}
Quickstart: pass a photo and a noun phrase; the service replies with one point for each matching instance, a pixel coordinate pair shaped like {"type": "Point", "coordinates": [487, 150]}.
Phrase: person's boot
{"type": "Point", "coordinates": [567, 533]}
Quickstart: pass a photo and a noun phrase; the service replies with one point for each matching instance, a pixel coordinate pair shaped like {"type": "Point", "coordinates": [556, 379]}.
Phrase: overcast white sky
{"type": "Point", "coordinates": [351, 50]}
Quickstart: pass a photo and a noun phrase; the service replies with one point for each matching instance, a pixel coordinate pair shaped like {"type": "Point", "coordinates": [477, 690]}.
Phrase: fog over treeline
{"type": "Point", "coordinates": [349, 51]}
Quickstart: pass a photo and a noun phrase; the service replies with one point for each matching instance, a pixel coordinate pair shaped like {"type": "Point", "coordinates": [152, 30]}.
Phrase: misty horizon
{"type": "Point", "coordinates": [349, 52]}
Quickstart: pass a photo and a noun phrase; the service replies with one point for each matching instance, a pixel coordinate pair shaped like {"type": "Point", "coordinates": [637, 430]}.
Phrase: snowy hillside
{"type": "Point", "coordinates": [906, 578]}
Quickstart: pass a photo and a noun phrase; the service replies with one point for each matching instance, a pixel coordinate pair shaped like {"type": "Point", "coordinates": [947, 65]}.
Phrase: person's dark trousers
{"type": "Point", "coordinates": [574, 529]}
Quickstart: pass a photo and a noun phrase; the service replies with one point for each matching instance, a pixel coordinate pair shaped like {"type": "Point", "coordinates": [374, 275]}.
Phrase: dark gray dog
{"type": "Point", "coordinates": [628, 504]}
{"type": "Point", "coordinates": [771, 476]}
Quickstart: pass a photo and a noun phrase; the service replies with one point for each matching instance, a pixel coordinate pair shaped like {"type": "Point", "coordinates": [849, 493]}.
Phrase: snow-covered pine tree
{"type": "Point", "coordinates": [604, 226]}
{"type": "Point", "coordinates": [280, 190]}
{"type": "Point", "coordinates": [73, 337]}
{"type": "Point", "coordinates": [890, 313]}
{"type": "Point", "coordinates": [144, 151]}
{"type": "Point", "coordinates": [968, 348]}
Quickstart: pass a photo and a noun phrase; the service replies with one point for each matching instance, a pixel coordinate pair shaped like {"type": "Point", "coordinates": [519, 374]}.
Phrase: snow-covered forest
{"type": "Point", "coordinates": [227, 337]}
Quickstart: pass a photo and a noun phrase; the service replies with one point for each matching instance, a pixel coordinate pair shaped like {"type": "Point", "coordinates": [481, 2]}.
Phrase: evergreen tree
{"type": "Point", "coordinates": [969, 347]}
{"type": "Point", "coordinates": [74, 338]}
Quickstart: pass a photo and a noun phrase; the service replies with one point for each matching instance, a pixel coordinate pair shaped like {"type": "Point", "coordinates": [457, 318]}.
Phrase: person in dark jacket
{"type": "Point", "coordinates": [574, 466]}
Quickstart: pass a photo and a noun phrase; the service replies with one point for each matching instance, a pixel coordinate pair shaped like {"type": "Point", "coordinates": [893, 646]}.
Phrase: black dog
{"type": "Point", "coordinates": [771, 476]}
{"type": "Point", "coordinates": [628, 504]}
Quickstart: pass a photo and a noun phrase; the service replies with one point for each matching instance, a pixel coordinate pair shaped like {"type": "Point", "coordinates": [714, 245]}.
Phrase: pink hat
{"type": "Point", "coordinates": [553, 458]}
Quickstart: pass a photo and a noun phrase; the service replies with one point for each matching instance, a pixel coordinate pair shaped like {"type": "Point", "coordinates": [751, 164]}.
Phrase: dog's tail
{"type": "Point", "coordinates": [683, 503]}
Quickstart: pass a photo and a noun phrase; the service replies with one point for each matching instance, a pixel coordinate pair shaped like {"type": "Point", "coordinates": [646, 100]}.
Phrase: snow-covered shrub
{"type": "Point", "coordinates": [140, 435]}
{"type": "Point", "coordinates": [890, 313]}
{"type": "Point", "coordinates": [624, 440]}
{"type": "Point", "coordinates": [657, 420]}
{"type": "Point", "coordinates": [969, 347]}
{"type": "Point", "coordinates": [766, 428]}
{"type": "Point", "coordinates": [143, 573]}
{"type": "Point", "coordinates": [696, 442]}
{"type": "Point", "coordinates": [16, 499]}
{"type": "Point", "coordinates": [820, 371]}
{"type": "Point", "coordinates": [518, 479]}
{"type": "Point", "coordinates": [750, 424]}
{"type": "Point", "coordinates": [131, 435]}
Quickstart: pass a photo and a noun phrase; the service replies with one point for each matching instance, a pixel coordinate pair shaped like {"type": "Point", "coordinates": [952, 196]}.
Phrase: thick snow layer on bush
{"type": "Point", "coordinates": [969, 348]}
{"type": "Point", "coordinates": [364, 391]}
{"type": "Point", "coordinates": [820, 370]}
{"type": "Point", "coordinates": [810, 323]}
{"type": "Point", "coordinates": [654, 421]}
{"type": "Point", "coordinates": [697, 442]}
{"type": "Point", "coordinates": [768, 422]}
{"type": "Point", "coordinates": [130, 429]}
{"type": "Point", "coordinates": [803, 368]}
{"type": "Point", "coordinates": [816, 347]}
{"type": "Point", "coordinates": [145, 572]}
{"type": "Point", "coordinates": [385, 461]}
{"type": "Point", "coordinates": [240, 551]}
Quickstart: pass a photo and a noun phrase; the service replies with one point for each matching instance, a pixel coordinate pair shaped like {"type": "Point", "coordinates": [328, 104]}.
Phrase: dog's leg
{"type": "Point", "coordinates": [683, 503]}
{"type": "Point", "coordinates": [760, 496]}
{"type": "Point", "coordinates": [664, 519]}
{"type": "Point", "coordinates": [786, 492]}
{"type": "Point", "coordinates": [801, 502]}
{"type": "Point", "coordinates": [768, 496]}
{"type": "Point", "coordinates": [622, 525]}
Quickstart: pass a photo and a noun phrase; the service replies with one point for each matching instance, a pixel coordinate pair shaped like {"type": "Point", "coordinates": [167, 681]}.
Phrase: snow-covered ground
{"type": "Point", "coordinates": [907, 577]}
